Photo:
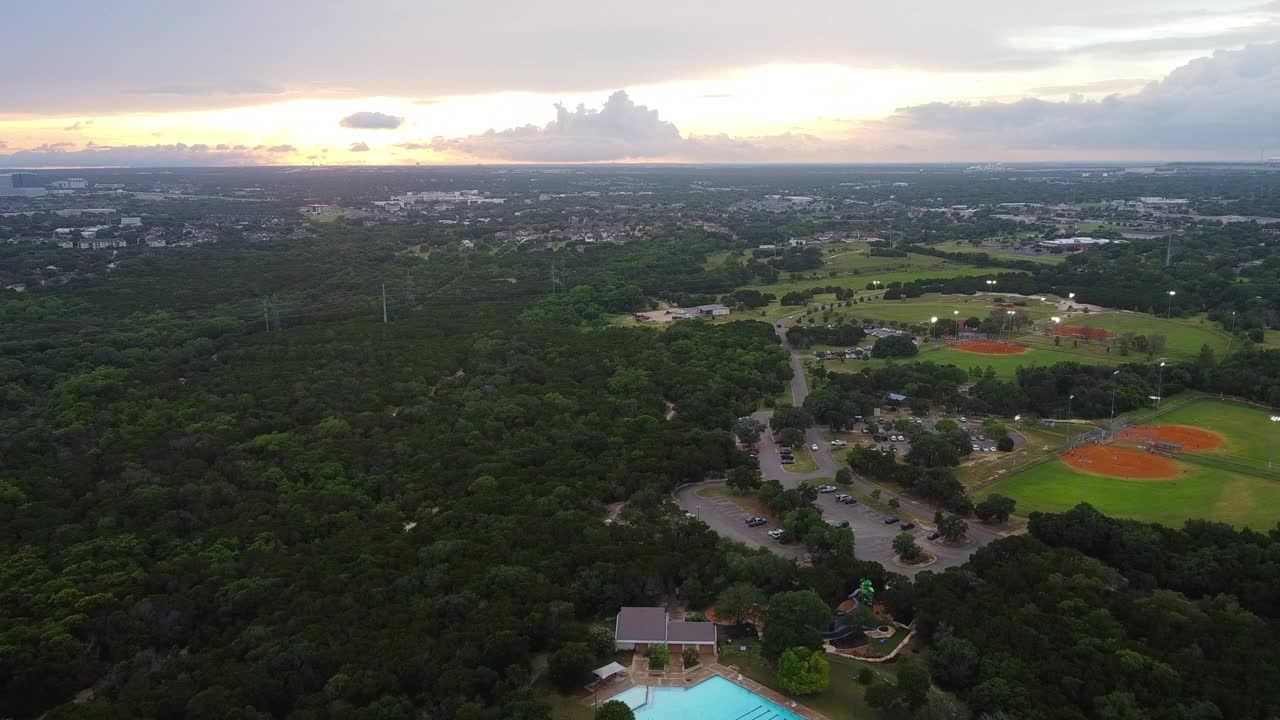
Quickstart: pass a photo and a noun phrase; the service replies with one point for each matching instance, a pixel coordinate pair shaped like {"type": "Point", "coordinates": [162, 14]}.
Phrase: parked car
{"type": "Point", "coordinates": [976, 447]}
{"type": "Point", "coordinates": [787, 461]}
{"type": "Point", "coordinates": [850, 500]}
{"type": "Point", "coordinates": [843, 524]}
{"type": "Point", "coordinates": [963, 421]}
{"type": "Point", "coordinates": [776, 533]}
{"type": "Point", "coordinates": [890, 520]}
{"type": "Point", "coordinates": [754, 521]}
{"type": "Point", "coordinates": [908, 526]}
{"type": "Point", "coordinates": [826, 488]}
{"type": "Point", "coordinates": [814, 447]}
{"type": "Point", "coordinates": [935, 535]}
{"type": "Point", "coordinates": [838, 443]}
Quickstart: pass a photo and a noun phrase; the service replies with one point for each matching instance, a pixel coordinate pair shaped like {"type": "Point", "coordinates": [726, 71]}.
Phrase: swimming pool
{"type": "Point", "coordinates": [713, 699]}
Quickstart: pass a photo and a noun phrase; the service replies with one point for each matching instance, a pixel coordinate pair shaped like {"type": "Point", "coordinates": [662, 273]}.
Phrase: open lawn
{"type": "Point", "coordinates": [844, 698]}
{"type": "Point", "coordinates": [804, 461]}
{"type": "Point", "coordinates": [1199, 492]}
{"type": "Point", "coordinates": [1002, 254]}
{"type": "Point", "coordinates": [1183, 336]}
{"type": "Point", "coordinates": [984, 468]}
{"type": "Point", "coordinates": [1005, 366]}
{"type": "Point", "coordinates": [1247, 432]}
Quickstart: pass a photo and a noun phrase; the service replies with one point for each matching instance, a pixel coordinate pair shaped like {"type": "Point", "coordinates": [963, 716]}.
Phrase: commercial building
{"type": "Point", "coordinates": [20, 184]}
{"type": "Point", "coordinates": [69, 184]}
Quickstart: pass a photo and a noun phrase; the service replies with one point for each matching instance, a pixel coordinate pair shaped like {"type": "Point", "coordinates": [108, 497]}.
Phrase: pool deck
{"type": "Point", "coordinates": [640, 674]}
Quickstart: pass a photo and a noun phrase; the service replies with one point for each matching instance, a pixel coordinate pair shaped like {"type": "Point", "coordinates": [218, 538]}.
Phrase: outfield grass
{"type": "Point", "coordinates": [1199, 492]}
{"type": "Point", "coordinates": [1183, 336]}
{"type": "Point", "coordinates": [1247, 432]}
{"type": "Point", "coordinates": [982, 468]}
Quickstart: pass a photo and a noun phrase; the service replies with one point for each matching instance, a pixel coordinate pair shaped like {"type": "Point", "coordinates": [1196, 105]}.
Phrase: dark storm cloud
{"type": "Point", "coordinates": [371, 121]}
{"type": "Point", "coordinates": [358, 147]}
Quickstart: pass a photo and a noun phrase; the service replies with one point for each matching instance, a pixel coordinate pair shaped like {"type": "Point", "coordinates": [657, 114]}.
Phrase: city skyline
{"type": "Point", "coordinates": [143, 84]}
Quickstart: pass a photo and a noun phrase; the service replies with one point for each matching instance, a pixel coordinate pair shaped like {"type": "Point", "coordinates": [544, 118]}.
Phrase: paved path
{"type": "Point", "coordinates": [873, 537]}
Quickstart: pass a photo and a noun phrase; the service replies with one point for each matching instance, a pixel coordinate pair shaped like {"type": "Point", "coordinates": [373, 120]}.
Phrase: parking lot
{"type": "Point", "coordinates": [725, 517]}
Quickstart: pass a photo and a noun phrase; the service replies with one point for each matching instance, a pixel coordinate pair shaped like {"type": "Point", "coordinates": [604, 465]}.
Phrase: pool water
{"type": "Point", "coordinates": [713, 699]}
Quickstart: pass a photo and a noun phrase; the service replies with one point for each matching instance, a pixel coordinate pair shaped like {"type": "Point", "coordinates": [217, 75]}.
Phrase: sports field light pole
{"type": "Point", "coordinates": [1071, 436]}
{"type": "Point", "coordinates": [1010, 321]}
{"type": "Point", "coordinates": [955, 315]}
{"type": "Point", "coordinates": [933, 330]}
{"type": "Point", "coordinates": [1160, 385]}
{"type": "Point", "coordinates": [1170, 313]}
{"type": "Point", "coordinates": [1270, 448]}
{"type": "Point", "coordinates": [1114, 382]}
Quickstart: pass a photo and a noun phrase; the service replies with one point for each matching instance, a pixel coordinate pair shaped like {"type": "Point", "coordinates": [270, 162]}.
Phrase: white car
{"type": "Point", "coordinates": [976, 448]}
{"type": "Point", "coordinates": [775, 533]}
{"type": "Point", "coordinates": [838, 443]}
{"type": "Point", "coordinates": [814, 447]}
{"type": "Point", "coordinates": [826, 488]}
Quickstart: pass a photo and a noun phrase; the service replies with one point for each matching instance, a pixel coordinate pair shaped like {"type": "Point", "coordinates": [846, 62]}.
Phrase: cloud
{"type": "Point", "coordinates": [577, 45]}
{"type": "Point", "coordinates": [3, 144]}
{"type": "Point", "coordinates": [371, 121]}
{"type": "Point", "coordinates": [272, 148]}
{"type": "Point", "coordinates": [1090, 88]}
{"type": "Point", "coordinates": [77, 125]}
{"type": "Point", "coordinates": [175, 155]}
{"type": "Point", "coordinates": [358, 147]}
{"type": "Point", "coordinates": [620, 130]}
{"type": "Point", "coordinates": [1225, 103]}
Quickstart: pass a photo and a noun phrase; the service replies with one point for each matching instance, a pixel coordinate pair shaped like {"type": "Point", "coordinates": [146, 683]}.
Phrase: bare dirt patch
{"type": "Point", "coordinates": [988, 347]}
{"type": "Point", "coordinates": [1192, 439]}
{"type": "Point", "coordinates": [1121, 462]}
{"type": "Point", "coordinates": [1090, 334]}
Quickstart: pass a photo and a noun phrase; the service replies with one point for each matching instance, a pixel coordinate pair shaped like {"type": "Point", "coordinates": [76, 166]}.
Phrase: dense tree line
{"type": "Point", "coordinates": [1025, 630]}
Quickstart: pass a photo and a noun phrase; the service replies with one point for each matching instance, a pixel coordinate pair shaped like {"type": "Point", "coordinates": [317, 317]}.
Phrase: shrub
{"type": "Point", "coordinates": [659, 657]}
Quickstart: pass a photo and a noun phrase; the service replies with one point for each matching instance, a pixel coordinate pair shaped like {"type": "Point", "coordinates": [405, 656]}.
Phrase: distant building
{"type": "Point", "coordinates": [69, 184]}
{"type": "Point", "coordinates": [20, 185]}
{"type": "Point", "coordinates": [1075, 243]}
{"type": "Point", "coordinates": [130, 222]}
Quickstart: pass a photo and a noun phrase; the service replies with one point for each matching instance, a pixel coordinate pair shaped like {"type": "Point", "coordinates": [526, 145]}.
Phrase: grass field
{"type": "Point", "coordinates": [1247, 432]}
{"type": "Point", "coordinates": [1005, 366]}
{"type": "Point", "coordinates": [997, 253]}
{"type": "Point", "coordinates": [1200, 492]}
{"type": "Point", "coordinates": [1183, 336]}
{"type": "Point", "coordinates": [844, 698]}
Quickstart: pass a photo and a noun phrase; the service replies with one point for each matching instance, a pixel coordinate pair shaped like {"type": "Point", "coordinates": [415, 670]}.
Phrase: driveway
{"type": "Point", "coordinates": [873, 538]}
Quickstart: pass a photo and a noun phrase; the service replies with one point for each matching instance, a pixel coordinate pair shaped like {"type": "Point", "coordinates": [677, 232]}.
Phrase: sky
{"type": "Point", "coordinates": [234, 82]}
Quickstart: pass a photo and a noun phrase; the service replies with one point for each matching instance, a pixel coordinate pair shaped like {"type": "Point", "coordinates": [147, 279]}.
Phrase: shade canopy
{"type": "Point", "coordinates": [609, 670]}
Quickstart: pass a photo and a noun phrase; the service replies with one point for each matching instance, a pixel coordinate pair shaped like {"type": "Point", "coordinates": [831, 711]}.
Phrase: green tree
{"type": "Point", "coordinates": [659, 657]}
{"type": "Point", "coordinates": [995, 508]}
{"type": "Point", "coordinates": [570, 665]}
{"type": "Point", "coordinates": [953, 528]}
{"type": "Point", "coordinates": [689, 656]}
{"type": "Point", "coordinates": [1005, 444]}
{"type": "Point", "coordinates": [614, 710]}
{"type": "Point", "coordinates": [794, 619]}
{"type": "Point", "coordinates": [913, 682]}
{"type": "Point", "coordinates": [739, 601]}
{"type": "Point", "coordinates": [953, 663]}
{"type": "Point", "coordinates": [602, 641]}
{"type": "Point", "coordinates": [844, 476]}
{"type": "Point", "coordinates": [745, 478]}
{"type": "Point", "coordinates": [804, 671]}
{"type": "Point", "coordinates": [905, 546]}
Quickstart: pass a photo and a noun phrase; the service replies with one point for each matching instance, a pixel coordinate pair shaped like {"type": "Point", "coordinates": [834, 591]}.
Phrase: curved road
{"type": "Point", "coordinates": [873, 535]}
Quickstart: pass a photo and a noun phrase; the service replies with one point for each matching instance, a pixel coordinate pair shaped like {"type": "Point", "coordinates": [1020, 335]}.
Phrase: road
{"type": "Point", "coordinates": [873, 537]}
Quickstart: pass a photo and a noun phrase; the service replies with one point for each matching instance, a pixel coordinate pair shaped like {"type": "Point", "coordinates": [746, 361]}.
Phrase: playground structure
{"type": "Point", "coordinates": [866, 593]}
